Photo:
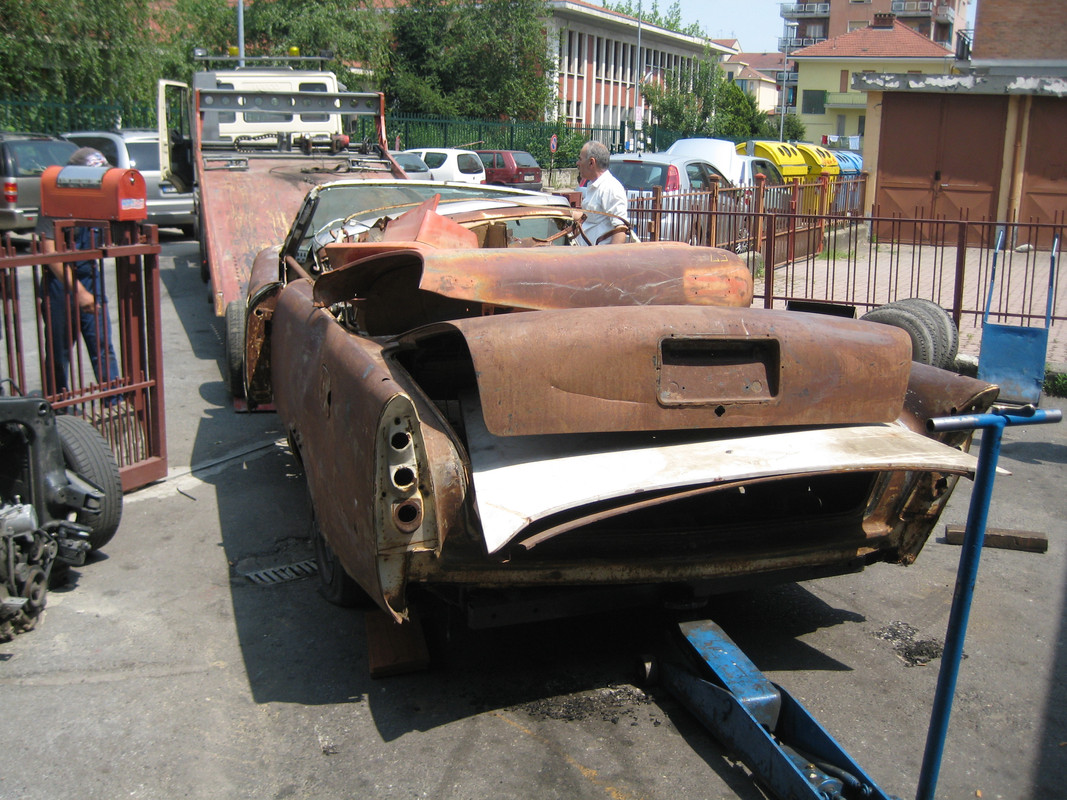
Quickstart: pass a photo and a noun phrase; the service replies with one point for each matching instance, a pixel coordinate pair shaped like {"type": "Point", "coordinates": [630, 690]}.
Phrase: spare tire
{"type": "Point", "coordinates": [86, 452]}
{"type": "Point", "coordinates": [922, 342]}
{"type": "Point", "coordinates": [942, 327]}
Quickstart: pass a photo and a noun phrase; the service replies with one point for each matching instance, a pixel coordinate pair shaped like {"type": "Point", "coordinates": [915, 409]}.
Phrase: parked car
{"type": "Point", "coordinates": [680, 177]}
{"type": "Point", "coordinates": [448, 164]}
{"type": "Point", "coordinates": [519, 428]}
{"type": "Point", "coordinates": [751, 166]}
{"type": "Point", "coordinates": [722, 154]}
{"type": "Point", "coordinates": [139, 149]}
{"type": "Point", "coordinates": [413, 166]}
{"type": "Point", "coordinates": [23, 158]}
{"type": "Point", "coordinates": [515, 168]}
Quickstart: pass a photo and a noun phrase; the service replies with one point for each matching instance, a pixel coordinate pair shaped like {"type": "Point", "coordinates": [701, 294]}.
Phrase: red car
{"type": "Point", "coordinates": [515, 168]}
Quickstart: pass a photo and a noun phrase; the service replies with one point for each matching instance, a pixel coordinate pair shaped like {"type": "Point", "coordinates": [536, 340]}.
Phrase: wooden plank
{"type": "Point", "coordinates": [394, 649]}
{"type": "Point", "coordinates": [1002, 538]}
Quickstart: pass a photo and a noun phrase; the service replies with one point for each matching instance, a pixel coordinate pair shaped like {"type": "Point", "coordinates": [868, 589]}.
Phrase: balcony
{"type": "Point", "coordinates": [789, 45]}
{"type": "Point", "coordinates": [945, 14]}
{"type": "Point", "coordinates": [799, 10]}
{"type": "Point", "coordinates": [846, 100]}
{"type": "Point", "coordinates": [913, 8]}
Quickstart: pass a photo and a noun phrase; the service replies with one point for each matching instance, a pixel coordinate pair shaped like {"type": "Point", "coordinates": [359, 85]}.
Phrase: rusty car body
{"type": "Point", "coordinates": [524, 427]}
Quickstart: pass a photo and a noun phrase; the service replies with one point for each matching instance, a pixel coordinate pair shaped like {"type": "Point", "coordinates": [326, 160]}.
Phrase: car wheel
{"type": "Point", "coordinates": [922, 343]}
{"type": "Point", "coordinates": [336, 585]}
{"type": "Point", "coordinates": [235, 348]}
{"type": "Point", "coordinates": [86, 452]}
{"type": "Point", "coordinates": [941, 325]}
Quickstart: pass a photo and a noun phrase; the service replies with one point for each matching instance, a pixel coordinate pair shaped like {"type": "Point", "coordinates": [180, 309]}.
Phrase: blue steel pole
{"type": "Point", "coordinates": [967, 574]}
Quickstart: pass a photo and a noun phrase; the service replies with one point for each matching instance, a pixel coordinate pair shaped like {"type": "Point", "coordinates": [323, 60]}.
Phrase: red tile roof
{"type": "Point", "coordinates": [900, 41]}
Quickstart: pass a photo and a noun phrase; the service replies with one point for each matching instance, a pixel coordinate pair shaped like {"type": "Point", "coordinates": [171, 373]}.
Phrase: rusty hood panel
{"type": "Point", "coordinates": [679, 367]}
{"type": "Point", "coordinates": [538, 278]}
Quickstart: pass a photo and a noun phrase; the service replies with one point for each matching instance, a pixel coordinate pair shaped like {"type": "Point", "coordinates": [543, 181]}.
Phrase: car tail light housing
{"type": "Point", "coordinates": [674, 182]}
{"type": "Point", "coordinates": [11, 191]}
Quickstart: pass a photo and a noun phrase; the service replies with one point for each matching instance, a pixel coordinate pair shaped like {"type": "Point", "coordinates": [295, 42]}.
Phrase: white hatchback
{"type": "Point", "coordinates": [450, 164]}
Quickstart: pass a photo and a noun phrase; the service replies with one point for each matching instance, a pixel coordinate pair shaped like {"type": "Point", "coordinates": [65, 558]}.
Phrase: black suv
{"type": "Point", "coordinates": [23, 157]}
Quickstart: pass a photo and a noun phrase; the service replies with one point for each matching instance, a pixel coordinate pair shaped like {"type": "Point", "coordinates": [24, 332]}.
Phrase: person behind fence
{"type": "Point", "coordinates": [76, 291]}
{"type": "Point", "coordinates": [603, 193]}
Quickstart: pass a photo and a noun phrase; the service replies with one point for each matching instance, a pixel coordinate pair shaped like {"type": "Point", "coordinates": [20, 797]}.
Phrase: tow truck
{"type": "Point", "coordinates": [249, 140]}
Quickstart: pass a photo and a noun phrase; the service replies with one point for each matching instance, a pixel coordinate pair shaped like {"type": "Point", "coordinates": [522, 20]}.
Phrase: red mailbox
{"type": "Point", "coordinates": [104, 193]}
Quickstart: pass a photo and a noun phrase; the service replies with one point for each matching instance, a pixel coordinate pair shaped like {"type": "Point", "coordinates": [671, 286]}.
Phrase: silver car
{"type": "Point", "coordinates": [23, 158]}
{"type": "Point", "coordinates": [139, 149]}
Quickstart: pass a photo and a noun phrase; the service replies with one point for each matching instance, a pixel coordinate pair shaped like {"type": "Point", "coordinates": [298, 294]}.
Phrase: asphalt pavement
{"type": "Point", "coordinates": [165, 671]}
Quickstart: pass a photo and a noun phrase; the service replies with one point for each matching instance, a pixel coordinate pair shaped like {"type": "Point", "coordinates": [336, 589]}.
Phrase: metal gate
{"type": "Point", "coordinates": [127, 409]}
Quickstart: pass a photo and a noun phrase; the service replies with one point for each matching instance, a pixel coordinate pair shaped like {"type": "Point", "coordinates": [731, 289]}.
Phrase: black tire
{"type": "Point", "coordinates": [86, 452]}
{"type": "Point", "coordinates": [205, 273]}
{"type": "Point", "coordinates": [922, 343]}
{"type": "Point", "coordinates": [336, 585]}
{"type": "Point", "coordinates": [941, 326]}
{"type": "Point", "coordinates": [235, 348]}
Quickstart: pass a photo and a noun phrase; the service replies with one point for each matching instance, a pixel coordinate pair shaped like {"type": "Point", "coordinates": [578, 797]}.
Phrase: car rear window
{"type": "Point", "coordinates": [144, 156]}
{"type": "Point", "coordinates": [31, 157]}
{"type": "Point", "coordinates": [524, 159]}
{"type": "Point", "coordinates": [469, 164]}
{"type": "Point", "coordinates": [639, 175]}
{"type": "Point", "coordinates": [105, 145]}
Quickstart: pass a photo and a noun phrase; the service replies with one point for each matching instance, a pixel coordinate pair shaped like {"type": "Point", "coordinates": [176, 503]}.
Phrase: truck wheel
{"type": "Point", "coordinates": [922, 342]}
{"type": "Point", "coordinates": [941, 325]}
{"type": "Point", "coordinates": [86, 452]}
{"type": "Point", "coordinates": [235, 348]}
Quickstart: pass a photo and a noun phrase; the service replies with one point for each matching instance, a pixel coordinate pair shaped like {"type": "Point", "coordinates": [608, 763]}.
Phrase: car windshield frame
{"type": "Point", "coordinates": [368, 202]}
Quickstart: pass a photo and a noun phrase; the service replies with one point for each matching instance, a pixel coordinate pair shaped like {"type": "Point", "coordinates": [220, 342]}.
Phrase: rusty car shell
{"type": "Point", "coordinates": [481, 420]}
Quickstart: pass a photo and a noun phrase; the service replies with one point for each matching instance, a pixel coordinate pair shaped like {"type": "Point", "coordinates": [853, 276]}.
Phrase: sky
{"type": "Point", "coordinates": [756, 24]}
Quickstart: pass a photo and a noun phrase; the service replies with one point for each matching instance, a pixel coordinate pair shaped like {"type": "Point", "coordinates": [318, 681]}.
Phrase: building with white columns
{"type": "Point", "coordinates": [602, 55]}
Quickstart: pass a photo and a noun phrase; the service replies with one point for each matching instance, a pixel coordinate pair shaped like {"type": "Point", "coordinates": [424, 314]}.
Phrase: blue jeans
{"type": "Point", "coordinates": [94, 325]}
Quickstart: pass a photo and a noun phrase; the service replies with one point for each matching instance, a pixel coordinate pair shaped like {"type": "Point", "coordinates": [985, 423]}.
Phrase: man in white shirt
{"type": "Point", "coordinates": [603, 193]}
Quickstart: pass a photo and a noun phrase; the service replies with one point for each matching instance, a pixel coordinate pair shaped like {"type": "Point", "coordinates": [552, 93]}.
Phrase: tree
{"type": "Point", "coordinates": [79, 49]}
{"type": "Point", "coordinates": [702, 102]}
{"type": "Point", "coordinates": [465, 58]}
{"type": "Point", "coordinates": [671, 20]}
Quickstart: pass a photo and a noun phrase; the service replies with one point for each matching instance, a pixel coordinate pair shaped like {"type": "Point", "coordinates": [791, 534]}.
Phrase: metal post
{"type": "Point", "coordinates": [241, 32]}
{"type": "Point", "coordinates": [967, 575]}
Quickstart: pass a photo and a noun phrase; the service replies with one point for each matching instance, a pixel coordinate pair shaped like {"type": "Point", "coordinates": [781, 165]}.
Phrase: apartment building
{"type": "Point", "coordinates": [806, 24]}
{"type": "Point", "coordinates": [830, 109]}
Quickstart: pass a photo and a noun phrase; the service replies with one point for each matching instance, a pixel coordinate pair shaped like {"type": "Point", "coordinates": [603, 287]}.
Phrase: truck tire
{"type": "Point", "coordinates": [86, 452]}
{"type": "Point", "coordinates": [235, 348]}
{"type": "Point", "coordinates": [941, 325]}
{"type": "Point", "coordinates": [922, 342]}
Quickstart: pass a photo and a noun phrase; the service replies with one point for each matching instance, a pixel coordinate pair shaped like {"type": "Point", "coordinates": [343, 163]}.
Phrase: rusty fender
{"type": "Point", "coordinates": [921, 497]}
{"type": "Point", "coordinates": [263, 287]}
{"type": "Point", "coordinates": [384, 476]}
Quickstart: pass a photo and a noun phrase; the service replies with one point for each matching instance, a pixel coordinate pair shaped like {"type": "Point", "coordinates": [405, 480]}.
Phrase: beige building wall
{"type": "Point", "coordinates": [844, 110]}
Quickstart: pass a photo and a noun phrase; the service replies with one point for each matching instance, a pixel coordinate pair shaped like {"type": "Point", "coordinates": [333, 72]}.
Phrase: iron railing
{"type": "Point", "coordinates": [127, 410]}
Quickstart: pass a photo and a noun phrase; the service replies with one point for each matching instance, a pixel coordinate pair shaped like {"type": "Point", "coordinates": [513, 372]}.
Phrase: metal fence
{"type": "Point", "coordinates": [406, 131]}
{"type": "Point", "coordinates": [812, 242]}
{"type": "Point", "coordinates": [45, 116]}
{"type": "Point", "coordinates": [40, 335]}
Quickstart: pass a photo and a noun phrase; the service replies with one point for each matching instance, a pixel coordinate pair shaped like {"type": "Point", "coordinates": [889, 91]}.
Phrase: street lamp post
{"type": "Point", "coordinates": [790, 33]}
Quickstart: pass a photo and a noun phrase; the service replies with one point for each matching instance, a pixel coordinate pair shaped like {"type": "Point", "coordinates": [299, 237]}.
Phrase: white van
{"type": "Point", "coordinates": [263, 121]}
